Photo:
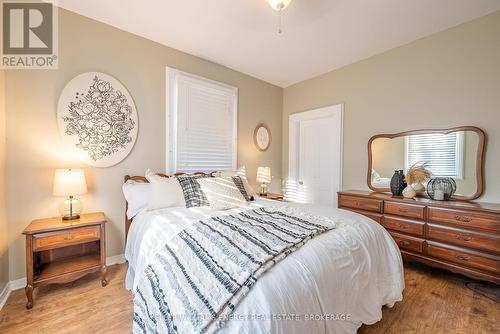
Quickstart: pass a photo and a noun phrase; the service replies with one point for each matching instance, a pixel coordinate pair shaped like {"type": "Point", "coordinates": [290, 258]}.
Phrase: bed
{"type": "Point", "coordinates": [333, 283]}
{"type": "Point", "coordinates": [379, 181]}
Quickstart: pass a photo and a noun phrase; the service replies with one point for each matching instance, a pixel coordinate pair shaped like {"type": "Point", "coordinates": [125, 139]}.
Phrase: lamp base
{"type": "Point", "coordinates": [70, 209]}
{"type": "Point", "coordinates": [69, 217]}
{"type": "Point", "coordinates": [263, 189]}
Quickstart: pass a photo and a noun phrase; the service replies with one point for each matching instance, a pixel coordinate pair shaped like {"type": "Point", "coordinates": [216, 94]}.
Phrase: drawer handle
{"type": "Point", "coordinates": [404, 227]}
{"type": "Point", "coordinates": [402, 210]}
{"type": "Point", "coordinates": [463, 237]}
{"type": "Point", "coordinates": [461, 257]}
{"type": "Point", "coordinates": [67, 237]}
{"type": "Point", "coordinates": [403, 242]}
{"type": "Point", "coordinates": [463, 219]}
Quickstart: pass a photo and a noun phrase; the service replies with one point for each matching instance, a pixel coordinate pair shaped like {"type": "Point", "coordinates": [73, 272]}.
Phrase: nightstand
{"type": "Point", "coordinates": [274, 197]}
{"type": "Point", "coordinates": [60, 251]}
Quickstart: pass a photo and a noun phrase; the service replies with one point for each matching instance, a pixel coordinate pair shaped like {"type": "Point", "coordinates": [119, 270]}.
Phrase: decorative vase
{"type": "Point", "coordinates": [409, 192]}
{"type": "Point", "coordinates": [398, 183]}
{"type": "Point", "coordinates": [419, 188]}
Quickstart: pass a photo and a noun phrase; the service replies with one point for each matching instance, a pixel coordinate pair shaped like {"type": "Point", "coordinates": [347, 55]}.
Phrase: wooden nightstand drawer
{"type": "Point", "coordinates": [63, 238]}
{"type": "Point", "coordinates": [274, 197]}
{"type": "Point", "coordinates": [404, 210]}
{"type": "Point", "coordinates": [404, 225]}
{"type": "Point", "coordinates": [359, 203]}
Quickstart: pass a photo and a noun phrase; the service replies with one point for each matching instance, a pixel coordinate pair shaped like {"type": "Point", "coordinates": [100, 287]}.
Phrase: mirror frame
{"type": "Point", "coordinates": [479, 158]}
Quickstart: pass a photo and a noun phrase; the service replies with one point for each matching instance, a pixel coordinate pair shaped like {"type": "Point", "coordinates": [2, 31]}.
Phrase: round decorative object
{"type": "Point", "coordinates": [398, 183]}
{"type": "Point", "coordinates": [262, 137]}
{"type": "Point", "coordinates": [441, 188]}
{"type": "Point", "coordinates": [97, 118]}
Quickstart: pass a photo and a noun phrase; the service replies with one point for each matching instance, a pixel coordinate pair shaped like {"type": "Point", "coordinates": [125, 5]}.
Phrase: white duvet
{"type": "Point", "coordinates": [332, 284]}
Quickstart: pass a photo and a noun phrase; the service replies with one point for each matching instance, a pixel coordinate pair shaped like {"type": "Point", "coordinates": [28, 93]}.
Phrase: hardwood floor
{"type": "Point", "coordinates": [435, 301]}
{"type": "Point", "coordinates": [79, 307]}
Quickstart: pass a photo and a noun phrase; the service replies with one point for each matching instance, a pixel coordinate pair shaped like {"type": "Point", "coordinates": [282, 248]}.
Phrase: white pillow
{"type": "Point", "coordinates": [222, 193]}
{"type": "Point", "coordinates": [137, 196]}
{"type": "Point", "coordinates": [241, 172]}
{"type": "Point", "coordinates": [375, 175]}
{"type": "Point", "coordinates": [165, 192]}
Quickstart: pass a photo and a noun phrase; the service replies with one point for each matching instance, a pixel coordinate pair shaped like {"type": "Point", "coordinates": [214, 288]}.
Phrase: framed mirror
{"type": "Point", "coordinates": [457, 153]}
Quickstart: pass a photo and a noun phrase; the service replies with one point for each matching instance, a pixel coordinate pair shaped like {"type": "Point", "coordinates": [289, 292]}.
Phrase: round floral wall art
{"type": "Point", "coordinates": [97, 117]}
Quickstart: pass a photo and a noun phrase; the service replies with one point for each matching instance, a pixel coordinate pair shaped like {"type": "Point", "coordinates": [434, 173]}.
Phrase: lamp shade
{"type": "Point", "coordinates": [264, 175]}
{"type": "Point", "coordinates": [69, 182]}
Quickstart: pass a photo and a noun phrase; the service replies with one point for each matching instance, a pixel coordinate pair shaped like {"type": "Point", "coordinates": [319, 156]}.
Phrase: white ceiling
{"type": "Point", "coordinates": [318, 35]}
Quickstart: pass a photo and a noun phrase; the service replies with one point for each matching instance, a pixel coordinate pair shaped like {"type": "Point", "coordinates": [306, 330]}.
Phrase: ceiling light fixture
{"type": "Point", "coordinates": [279, 5]}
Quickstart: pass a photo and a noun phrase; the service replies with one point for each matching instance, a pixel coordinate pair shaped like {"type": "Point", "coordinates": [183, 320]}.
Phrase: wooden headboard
{"type": "Point", "coordinates": [138, 178]}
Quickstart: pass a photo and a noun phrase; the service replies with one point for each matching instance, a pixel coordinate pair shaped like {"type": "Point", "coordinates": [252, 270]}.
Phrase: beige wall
{"type": "Point", "coordinates": [34, 146]}
{"type": "Point", "coordinates": [448, 79]}
{"type": "Point", "coordinates": [4, 242]}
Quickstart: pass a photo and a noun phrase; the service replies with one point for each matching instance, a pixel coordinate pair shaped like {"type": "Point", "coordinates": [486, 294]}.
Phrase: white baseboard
{"type": "Point", "coordinates": [9, 287]}
{"type": "Point", "coordinates": [116, 259]}
{"type": "Point", "coordinates": [21, 282]}
{"type": "Point", "coordinates": [17, 284]}
{"type": "Point", "coordinates": [4, 295]}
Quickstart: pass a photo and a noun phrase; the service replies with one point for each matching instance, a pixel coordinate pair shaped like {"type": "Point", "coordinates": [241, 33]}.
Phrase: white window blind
{"type": "Point", "coordinates": [204, 117]}
{"type": "Point", "coordinates": [443, 153]}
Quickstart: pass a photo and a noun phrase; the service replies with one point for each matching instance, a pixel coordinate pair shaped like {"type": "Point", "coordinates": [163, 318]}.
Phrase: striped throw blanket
{"type": "Point", "coordinates": [195, 281]}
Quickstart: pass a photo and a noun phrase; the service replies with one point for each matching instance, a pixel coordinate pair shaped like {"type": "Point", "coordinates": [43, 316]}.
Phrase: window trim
{"type": "Point", "coordinates": [171, 115]}
{"type": "Point", "coordinates": [459, 153]}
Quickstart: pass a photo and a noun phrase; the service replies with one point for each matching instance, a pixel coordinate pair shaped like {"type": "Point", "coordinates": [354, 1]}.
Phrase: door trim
{"type": "Point", "coordinates": [293, 136]}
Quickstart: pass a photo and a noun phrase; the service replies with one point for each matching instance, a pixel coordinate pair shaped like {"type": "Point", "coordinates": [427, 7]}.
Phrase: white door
{"type": "Point", "coordinates": [315, 156]}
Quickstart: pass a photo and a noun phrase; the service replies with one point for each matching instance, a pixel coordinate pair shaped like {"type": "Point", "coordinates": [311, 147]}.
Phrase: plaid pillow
{"type": "Point", "coordinates": [239, 184]}
{"type": "Point", "coordinates": [193, 195]}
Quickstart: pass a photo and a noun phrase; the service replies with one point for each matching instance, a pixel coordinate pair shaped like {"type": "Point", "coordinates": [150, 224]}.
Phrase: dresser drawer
{"type": "Point", "coordinates": [404, 225]}
{"type": "Point", "coordinates": [65, 238]}
{"type": "Point", "coordinates": [464, 238]}
{"type": "Point", "coordinates": [408, 242]}
{"type": "Point", "coordinates": [404, 210]}
{"type": "Point", "coordinates": [468, 219]}
{"type": "Point", "coordinates": [375, 216]}
{"type": "Point", "coordinates": [360, 203]}
{"type": "Point", "coordinates": [464, 257]}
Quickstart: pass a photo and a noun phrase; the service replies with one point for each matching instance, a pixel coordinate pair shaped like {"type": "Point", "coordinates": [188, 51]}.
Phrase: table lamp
{"type": "Point", "coordinates": [69, 182]}
{"type": "Point", "coordinates": [264, 178]}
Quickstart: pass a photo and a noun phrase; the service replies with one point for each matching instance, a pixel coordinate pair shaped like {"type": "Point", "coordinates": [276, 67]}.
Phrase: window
{"type": "Point", "coordinates": [202, 124]}
{"type": "Point", "coordinates": [442, 153]}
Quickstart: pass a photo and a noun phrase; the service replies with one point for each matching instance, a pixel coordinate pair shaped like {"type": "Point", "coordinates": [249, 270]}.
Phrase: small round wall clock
{"type": "Point", "coordinates": [262, 137]}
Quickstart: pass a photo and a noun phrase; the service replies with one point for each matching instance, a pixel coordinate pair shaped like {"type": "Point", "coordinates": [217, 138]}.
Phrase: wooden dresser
{"type": "Point", "coordinates": [460, 236]}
